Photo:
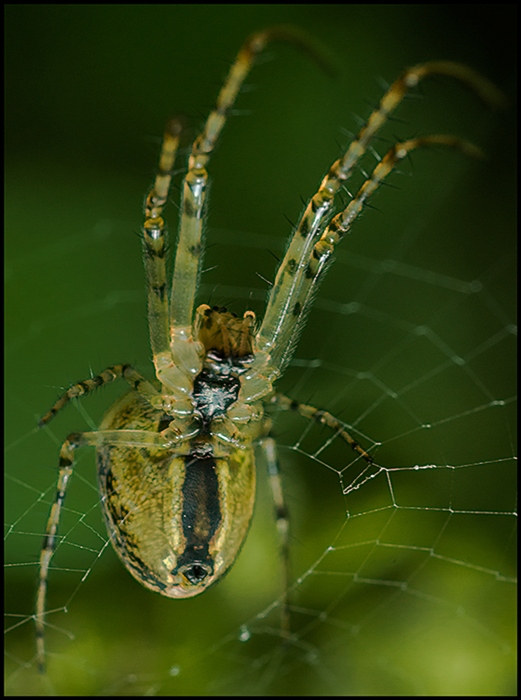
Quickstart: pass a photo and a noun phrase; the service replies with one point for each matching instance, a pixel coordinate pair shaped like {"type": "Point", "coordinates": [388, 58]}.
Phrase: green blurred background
{"type": "Point", "coordinates": [89, 89]}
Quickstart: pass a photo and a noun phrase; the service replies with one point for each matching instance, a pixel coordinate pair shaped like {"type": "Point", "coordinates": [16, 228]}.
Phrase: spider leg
{"type": "Point", "coordinates": [368, 471]}
{"type": "Point", "coordinates": [189, 247]}
{"type": "Point", "coordinates": [310, 270]}
{"type": "Point", "coordinates": [285, 307]}
{"type": "Point", "coordinates": [269, 448]}
{"type": "Point", "coordinates": [174, 372]}
{"type": "Point", "coordinates": [341, 224]}
{"type": "Point", "coordinates": [323, 418]}
{"type": "Point", "coordinates": [139, 438]}
{"type": "Point", "coordinates": [136, 380]}
{"type": "Point", "coordinates": [154, 247]}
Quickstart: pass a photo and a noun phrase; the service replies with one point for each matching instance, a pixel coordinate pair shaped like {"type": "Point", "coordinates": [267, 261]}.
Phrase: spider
{"type": "Point", "coordinates": [175, 460]}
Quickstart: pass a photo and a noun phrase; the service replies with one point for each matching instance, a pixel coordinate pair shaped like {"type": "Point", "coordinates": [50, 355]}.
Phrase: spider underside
{"type": "Point", "coordinates": [176, 466]}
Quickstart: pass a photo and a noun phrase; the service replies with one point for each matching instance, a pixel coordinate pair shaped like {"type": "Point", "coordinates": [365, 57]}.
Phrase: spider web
{"type": "Point", "coordinates": [403, 575]}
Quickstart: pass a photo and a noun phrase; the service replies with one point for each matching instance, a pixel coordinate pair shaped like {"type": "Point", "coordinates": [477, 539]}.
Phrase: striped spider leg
{"type": "Point", "coordinates": [176, 466]}
{"type": "Point", "coordinates": [289, 299]}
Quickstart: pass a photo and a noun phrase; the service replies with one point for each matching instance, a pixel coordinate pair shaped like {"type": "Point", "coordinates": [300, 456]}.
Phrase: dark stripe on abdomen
{"type": "Point", "coordinates": [201, 514]}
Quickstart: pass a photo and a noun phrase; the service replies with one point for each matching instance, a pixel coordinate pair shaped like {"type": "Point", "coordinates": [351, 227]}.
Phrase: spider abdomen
{"type": "Point", "coordinates": [177, 517]}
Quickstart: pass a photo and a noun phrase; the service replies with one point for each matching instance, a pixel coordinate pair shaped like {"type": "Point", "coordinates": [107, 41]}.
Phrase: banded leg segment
{"type": "Point", "coordinates": [136, 380]}
{"type": "Point", "coordinates": [311, 270]}
{"type": "Point", "coordinates": [285, 298]}
{"type": "Point", "coordinates": [281, 511]}
{"type": "Point", "coordinates": [154, 246]}
{"type": "Point", "coordinates": [139, 438]}
{"type": "Point", "coordinates": [282, 519]}
{"type": "Point", "coordinates": [323, 418]}
{"type": "Point", "coordinates": [189, 247]}
{"type": "Point", "coordinates": [49, 542]}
